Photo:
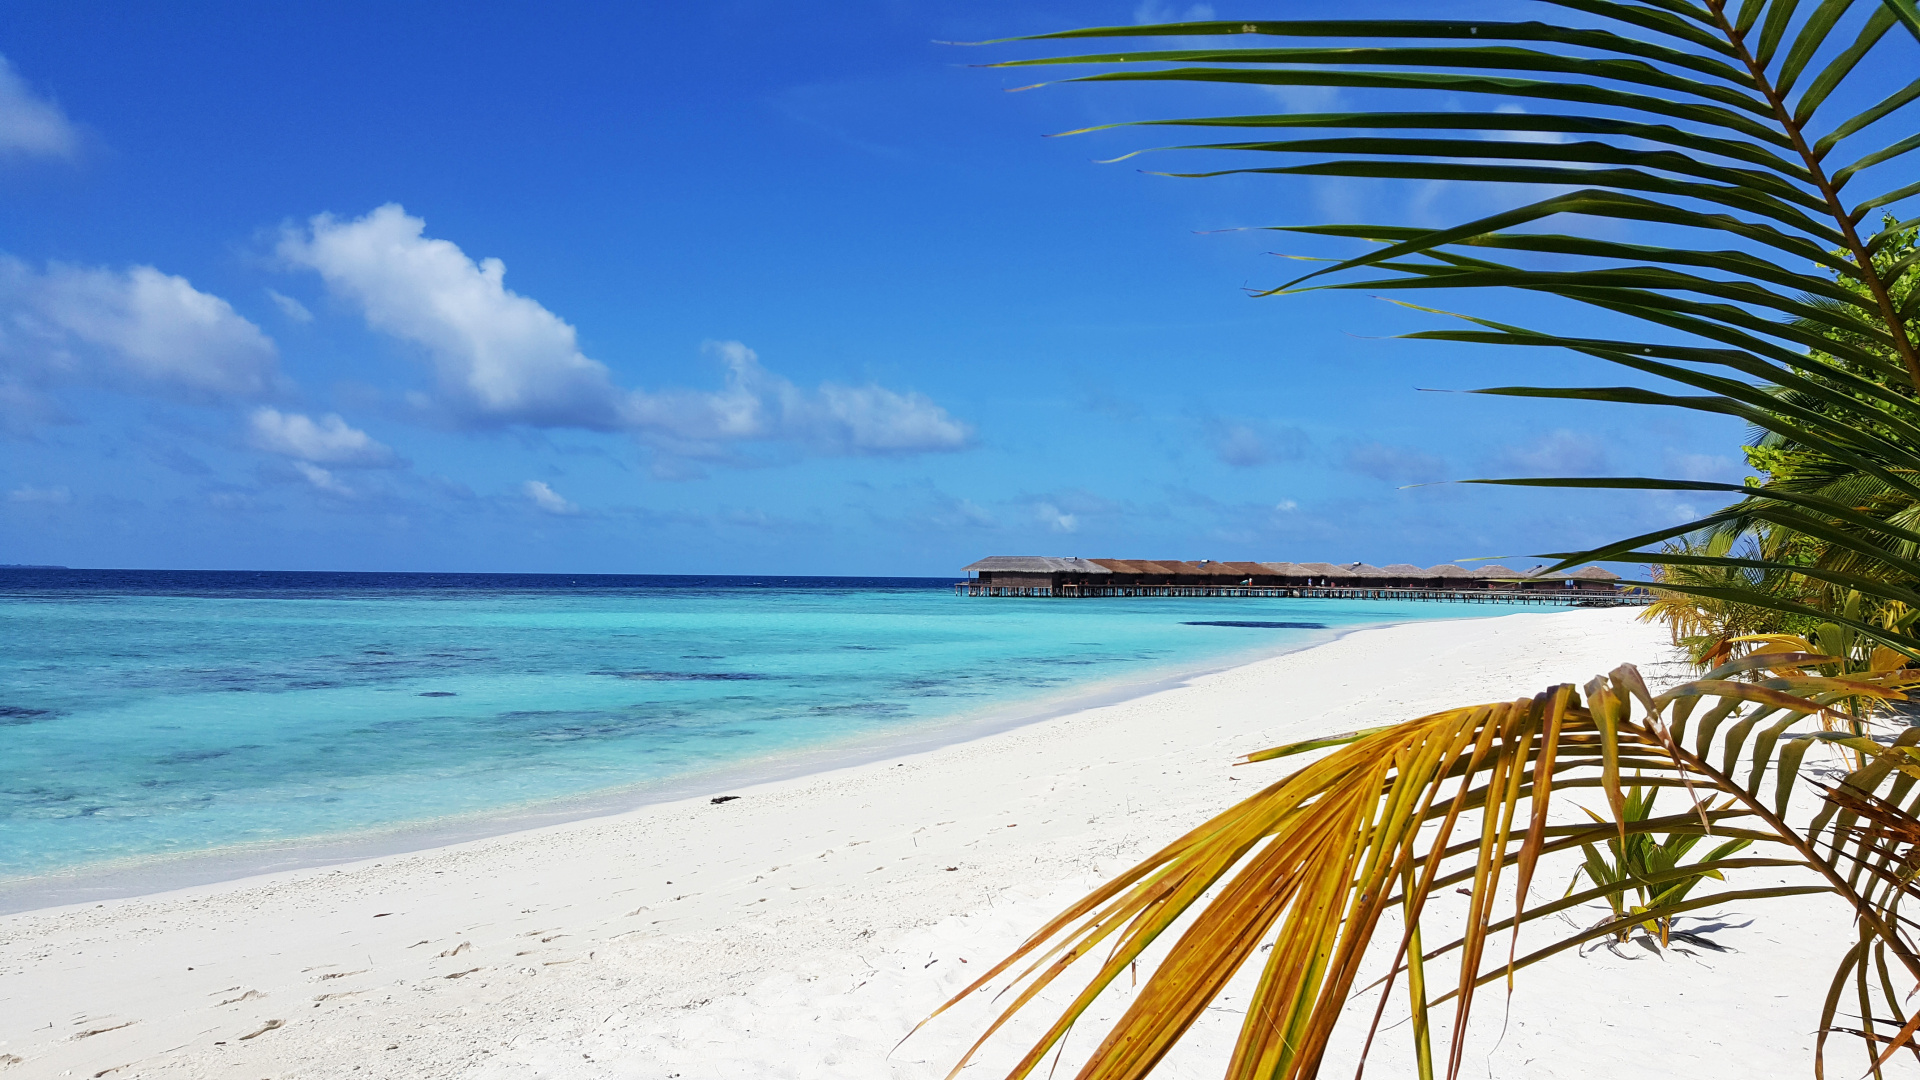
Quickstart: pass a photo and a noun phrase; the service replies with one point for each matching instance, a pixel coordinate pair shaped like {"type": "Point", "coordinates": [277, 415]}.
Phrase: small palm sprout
{"type": "Point", "coordinates": [1651, 867]}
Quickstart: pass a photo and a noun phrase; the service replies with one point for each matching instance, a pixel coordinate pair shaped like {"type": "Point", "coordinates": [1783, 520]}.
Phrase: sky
{"type": "Point", "coordinates": [731, 287]}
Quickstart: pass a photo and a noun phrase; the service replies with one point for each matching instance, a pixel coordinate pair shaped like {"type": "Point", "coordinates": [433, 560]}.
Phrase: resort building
{"type": "Point", "coordinates": [1043, 575]}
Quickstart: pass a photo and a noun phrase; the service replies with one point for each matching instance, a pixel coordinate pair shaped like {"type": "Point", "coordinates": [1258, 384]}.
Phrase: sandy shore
{"type": "Point", "coordinates": [802, 929]}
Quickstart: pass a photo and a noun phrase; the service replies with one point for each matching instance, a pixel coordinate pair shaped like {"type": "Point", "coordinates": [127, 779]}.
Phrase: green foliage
{"type": "Point", "coordinates": [1652, 868]}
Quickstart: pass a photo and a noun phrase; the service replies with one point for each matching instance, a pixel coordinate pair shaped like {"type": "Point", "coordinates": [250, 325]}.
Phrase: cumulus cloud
{"type": "Point", "coordinates": [32, 125]}
{"type": "Point", "coordinates": [548, 499]}
{"type": "Point", "coordinates": [501, 358]}
{"type": "Point", "coordinates": [329, 440]}
{"type": "Point", "coordinates": [757, 404]}
{"type": "Point", "coordinates": [498, 354]}
{"type": "Point", "coordinates": [137, 327]}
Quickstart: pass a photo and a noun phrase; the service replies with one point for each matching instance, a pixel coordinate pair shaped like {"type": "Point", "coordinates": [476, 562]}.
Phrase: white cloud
{"type": "Point", "coordinates": [1526, 136]}
{"type": "Point", "coordinates": [760, 405]}
{"type": "Point", "coordinates": [291, 308]}
{"type": "Point", "coordinates": [47, 496]}
{"type": "Point", "coordinates": [1055, 518]}
{"type": "Point", "coordinates": [1286, 506]}
{"type": "Point", "coordinates": [1306, 99]}
{"type": "Point", "coordinates": [502, 358]}
{"type": "Point", "coordinates": [548, 499]}
{"type": "Point", "coordinates": [99, 326]}
{"type": "Point", "coordinates": [323, 479]}
{"type": "Point", "coordinates": [328, 440]}
{"type": "Point", "coordinates": [1151, 11]}
{"type": "Point", "coordinates": [497, 354]}
{"type": "Point", "coordinates": [32, 125]}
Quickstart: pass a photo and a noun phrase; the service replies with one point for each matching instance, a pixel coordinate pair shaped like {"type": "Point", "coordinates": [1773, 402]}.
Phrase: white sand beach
{"type": "Point", "coordinates": [804, 928]}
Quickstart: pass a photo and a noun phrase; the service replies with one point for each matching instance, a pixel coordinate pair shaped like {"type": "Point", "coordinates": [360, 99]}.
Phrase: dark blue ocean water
{"type": "Point", "coordinates": [148, 713]}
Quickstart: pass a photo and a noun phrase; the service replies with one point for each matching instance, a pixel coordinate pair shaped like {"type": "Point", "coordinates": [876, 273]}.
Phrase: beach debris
{"type": "Point", "coordinates": [341, 974]}
{"type": "Point", "coordinates": [718, 799]}
{"type": "Point", "coordinates": [11, 1059]}
{"type": "Point", "coordinates": [90, 1032]}
{"type": "Point", "coordinates": [271, 1025]}
{"type": "Point", "coordinates": [458, 949]}
{"type": "Point", "coordinates": [950, 869]}
{"type": "Point", "coordinates": [248, 996]}
{"type": "Point", "coordinates": [460, 974]}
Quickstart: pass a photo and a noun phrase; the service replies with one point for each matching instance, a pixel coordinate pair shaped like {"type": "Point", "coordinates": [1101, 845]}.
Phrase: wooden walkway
{"type": "Point", "coordinates": [1579, 598]}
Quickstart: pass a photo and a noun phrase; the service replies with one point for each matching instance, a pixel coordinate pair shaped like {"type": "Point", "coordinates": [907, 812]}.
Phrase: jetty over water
{"type": "Point", "coordinates": [1055, 576]}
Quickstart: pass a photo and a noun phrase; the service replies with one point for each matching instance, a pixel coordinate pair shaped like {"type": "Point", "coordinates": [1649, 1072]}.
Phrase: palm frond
{"type": "Point", "coordinates": [1712, 124]}
{"type": "Point", "coordinates": [1335, 869]}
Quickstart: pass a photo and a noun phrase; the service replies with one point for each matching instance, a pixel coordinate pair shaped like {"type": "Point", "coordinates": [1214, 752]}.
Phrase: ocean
{"type": "Point", "coordinates": [148, 717]}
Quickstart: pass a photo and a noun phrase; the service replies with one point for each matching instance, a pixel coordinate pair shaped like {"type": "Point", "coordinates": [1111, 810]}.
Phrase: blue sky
{"type": "Point", "coordinates": [708, 288]}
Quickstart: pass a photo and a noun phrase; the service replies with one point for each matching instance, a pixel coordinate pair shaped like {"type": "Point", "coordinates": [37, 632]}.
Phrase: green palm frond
{"type": "Point", "coordinates": [1731, 132]}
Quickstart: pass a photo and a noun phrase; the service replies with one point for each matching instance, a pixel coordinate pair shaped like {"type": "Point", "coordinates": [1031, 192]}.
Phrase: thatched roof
{"type": "Point", "coordinates": [1595, 573]}
{"type": "Point", "coordinates": [1245, 569]}
{"type": "Point", "coordinates": [1451, 570]}
{"type": "Point", "coordinates": [1360, 569]}
{"type": "Point", "coordinates": [1037, 564]}
{"type": "Point", "coordinates": [1287, 570]}
{"type": "Point", "coordinates": [1320, 569]}
{"type": "Point", "coordinates": [1401, 569]}
{"type": "Point", "coordinates": [1499, 572]}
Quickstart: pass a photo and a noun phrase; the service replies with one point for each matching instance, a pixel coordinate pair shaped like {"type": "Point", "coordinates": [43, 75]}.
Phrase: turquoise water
{"type": "Point", "coordinates": [155, 714]}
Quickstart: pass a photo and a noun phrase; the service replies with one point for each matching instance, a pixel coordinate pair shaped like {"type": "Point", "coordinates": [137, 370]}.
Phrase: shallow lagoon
{"type": "Point", "coordinates": [154, 713]}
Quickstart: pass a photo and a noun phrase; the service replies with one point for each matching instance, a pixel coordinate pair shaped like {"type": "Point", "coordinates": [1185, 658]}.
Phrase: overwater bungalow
{"type": "Point", "coordinates": [1048, 575]}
